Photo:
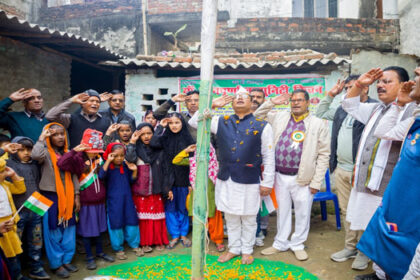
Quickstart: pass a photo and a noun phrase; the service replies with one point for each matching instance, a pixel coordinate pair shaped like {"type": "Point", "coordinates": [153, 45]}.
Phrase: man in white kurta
{"type": "Point", "coordinates": [245, 143]}
{"type": "Point", "coordinates": [376, 158]}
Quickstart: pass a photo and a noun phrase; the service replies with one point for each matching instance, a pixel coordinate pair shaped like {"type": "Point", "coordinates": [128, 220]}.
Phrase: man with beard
{"type": "Point", "coordinates": [394, 231]}
{"type": "Point", "coordinates": [376, 158]}
{"type": "Point", "coordinates": [77, 122]}
{"type": "Point", "coordinates": [30, 121]}
{"type": "Point", "coordinates": [257, 97]}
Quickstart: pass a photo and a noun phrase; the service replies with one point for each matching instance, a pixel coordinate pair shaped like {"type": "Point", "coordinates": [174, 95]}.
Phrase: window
{"type": "Point", "coordinates": [315, 8]}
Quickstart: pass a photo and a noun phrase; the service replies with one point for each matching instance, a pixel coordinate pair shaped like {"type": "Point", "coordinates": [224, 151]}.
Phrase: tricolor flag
{"type": "Point", "coordinates": [85, 180]}
{"type": "Point", "coordinates": [268, 204]}
{"type": "Point", "coordinates": [38, 203]}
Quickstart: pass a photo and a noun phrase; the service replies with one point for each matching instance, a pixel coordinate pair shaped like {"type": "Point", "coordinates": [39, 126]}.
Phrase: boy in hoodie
{"type": "Point", "coordinates": [30, 222]}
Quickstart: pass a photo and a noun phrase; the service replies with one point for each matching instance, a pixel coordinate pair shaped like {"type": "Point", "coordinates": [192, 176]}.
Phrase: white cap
{"type": "Point", "coordinates": [241, 90]}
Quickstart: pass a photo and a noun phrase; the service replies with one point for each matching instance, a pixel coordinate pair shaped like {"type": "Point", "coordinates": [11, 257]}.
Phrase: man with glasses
{"type": "Point", "coordinates": [191, 99]}
{"type": "Point", "coordinates": [302, 150]}
{"type": "Point", "coordinates": [116, 111]}
{"type": "Point", "coordinates": [376, 158]}
{"type": "Point", "coordinates": [245, 143]}
{"type": "Point", "coordinates": [28, 122]}
{"type": "Point", "coordinates": [346, 132]}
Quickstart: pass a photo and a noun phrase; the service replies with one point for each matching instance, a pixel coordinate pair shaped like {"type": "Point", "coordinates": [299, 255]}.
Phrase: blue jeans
{"type": "Point", "coordinates": [29, 229]}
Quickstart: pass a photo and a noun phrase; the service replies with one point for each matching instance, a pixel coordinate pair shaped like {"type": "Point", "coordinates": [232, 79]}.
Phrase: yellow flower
{"type": "Point", "coordinates": [255, 132]}
{"type": "Point", "coordinates": [258, 120]}
{"type": "Point", "coordinates": [237, 160]}
{"type": "Point", "coordinates": [251, 122]}
{"type": "Point", "coordinates": [240, 143]}
{"type": "Point", "coordinates": [226, 117]}
{"type": "Point", "coordinates": [237, 121]}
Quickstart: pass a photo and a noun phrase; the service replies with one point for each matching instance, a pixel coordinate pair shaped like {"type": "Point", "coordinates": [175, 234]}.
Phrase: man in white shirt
{"type": "Point", "coordinates": [245, 143]}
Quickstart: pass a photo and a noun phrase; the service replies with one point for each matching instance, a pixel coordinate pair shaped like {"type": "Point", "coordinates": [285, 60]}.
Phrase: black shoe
{"type": "Point", "coordinates": [90, 264]}
{"type": "Point", "coordinates": [70, 268]}
{"type": "Point", "coordinates": [371, 276]}
{"type": "Point", "coordinates": [40, 274]}
{"type": "Point", "coordinates": [106, 257]}
{"type": "Point", "coordinates": [21, 277]}
{"type": "Point", "coordinates": [61, 272]}
{"type": "Point", "coordinates": [264, 231]}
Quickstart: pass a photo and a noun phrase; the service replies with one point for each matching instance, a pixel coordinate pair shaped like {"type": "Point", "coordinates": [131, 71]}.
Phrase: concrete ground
{"type": "Point", "coordinates": [323, 240]}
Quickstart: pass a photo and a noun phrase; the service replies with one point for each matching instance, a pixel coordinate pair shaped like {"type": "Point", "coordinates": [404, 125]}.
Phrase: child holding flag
{"type": "Point", "coordinates": [58, 222]}
{"type": "Point", "coordinates": [30, 222]}
{"type": "Point", "coordinates": [9, 241]}
{"type": "Point", "coordinates": [84, 161]}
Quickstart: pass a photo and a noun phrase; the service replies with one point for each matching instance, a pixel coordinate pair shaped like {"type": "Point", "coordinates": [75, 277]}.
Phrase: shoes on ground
{"type": "Point", "coordinates": [371, 276]}
{"type": "Point", "coordinates": [343, 255]}
{"type": "Point", "coordinates": [270, 251]}
{"type": "Point", "coordinates": [301, 255]}
{"type": "Point", "coordinates": [361, 262]}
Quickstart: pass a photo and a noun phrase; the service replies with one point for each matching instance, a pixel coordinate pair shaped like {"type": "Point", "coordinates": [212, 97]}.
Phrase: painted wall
{"type": "Point", "coordinates": [24, 66]}
{"type": "Point", "coordinates": [409, 11]}
{"type": "Point", "coordinates": [348, 9]}
{"type": "Point", "coordinates": [365, 60]}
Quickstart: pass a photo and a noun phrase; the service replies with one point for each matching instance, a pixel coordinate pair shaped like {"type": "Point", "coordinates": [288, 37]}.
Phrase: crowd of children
{"type": "Point", "coordinates": [131, 183]}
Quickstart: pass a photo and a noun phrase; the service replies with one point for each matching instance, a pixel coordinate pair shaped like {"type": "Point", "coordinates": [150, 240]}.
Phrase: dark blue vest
{"type": "Point", "coordinates": [240, 155]}
{"type": "Point", "coordinates": [79, 124]}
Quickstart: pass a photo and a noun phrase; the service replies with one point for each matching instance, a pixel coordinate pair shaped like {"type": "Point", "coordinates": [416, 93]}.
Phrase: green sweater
{"type": "Point", "coordinates": [18, 123]}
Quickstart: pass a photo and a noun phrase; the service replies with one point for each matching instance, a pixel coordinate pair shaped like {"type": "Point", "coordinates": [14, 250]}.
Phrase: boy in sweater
{"type": "Point", "coordinates": [30, 222]}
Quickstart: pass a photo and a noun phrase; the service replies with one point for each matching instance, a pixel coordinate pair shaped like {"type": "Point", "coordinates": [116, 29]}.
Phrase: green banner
{"type": "Point", "coordinates": [272, 86]}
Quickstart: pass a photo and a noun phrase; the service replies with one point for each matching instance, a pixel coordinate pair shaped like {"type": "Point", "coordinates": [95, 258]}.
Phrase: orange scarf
{"type": "Point", "coordinates": [65, 193]}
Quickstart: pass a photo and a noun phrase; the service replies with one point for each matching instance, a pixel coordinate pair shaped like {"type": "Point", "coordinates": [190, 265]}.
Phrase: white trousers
{"type": "Point", "coordinates": [241, 231]}
{"type": "Point", "coordinates": [288, 191]}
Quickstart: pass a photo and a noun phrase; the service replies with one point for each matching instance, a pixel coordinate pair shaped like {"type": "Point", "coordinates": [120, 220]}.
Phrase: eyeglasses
{"type": "Point", "coordinates": [242, 95]}
{"type": "Point", "coordinates": [191, 101]}
{"type": "Point", "coordinates": [117, 100]}
{"type": "Point", "coordinates": [297, 100]}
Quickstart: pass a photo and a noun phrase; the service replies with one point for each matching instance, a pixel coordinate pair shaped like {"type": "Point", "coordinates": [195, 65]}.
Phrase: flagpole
{"type": "Point", "coordinates": [17, 212]}
{"type": "Point", "coordinates": [208, 41]}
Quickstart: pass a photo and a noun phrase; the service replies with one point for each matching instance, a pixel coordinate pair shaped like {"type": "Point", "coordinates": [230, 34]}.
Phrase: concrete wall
{"type": "Point", "coordinates": [143, 90]}
{"type": "Point", "coordinates": [365, 60]}
{"type": "Point", "coordinates": [348, 9]}
{"type": "Point", "coordinates": [115, 24]}
{"type": "Point", "coordinates": [24, 66]}
{"type": "Point", "coordinates": [24, 9]}
{"type": "Point", "coordinates": [409, 23]}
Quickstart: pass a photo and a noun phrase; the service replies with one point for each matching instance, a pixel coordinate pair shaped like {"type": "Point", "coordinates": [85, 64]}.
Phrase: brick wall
{"type": "Point", "coordinates": [173, 6]}
{"type": "Point", "coordinates": [89, 9]}
{"type": "Point", "coordinates": [24, 66]}
{"type": "Point", "coordinates": [321, 34]}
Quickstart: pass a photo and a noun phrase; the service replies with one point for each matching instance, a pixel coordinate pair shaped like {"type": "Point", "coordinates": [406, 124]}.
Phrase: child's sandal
{"type": "Point", "coordinates": [220, 247]}
{"type": "Point", "coordinates": [139, 252]}
{"type": "Point", "coordinates": [121, 255]}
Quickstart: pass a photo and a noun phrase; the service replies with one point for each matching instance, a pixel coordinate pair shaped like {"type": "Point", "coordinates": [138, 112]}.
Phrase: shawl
{"type": "Point", "coordinates": [65, 192]}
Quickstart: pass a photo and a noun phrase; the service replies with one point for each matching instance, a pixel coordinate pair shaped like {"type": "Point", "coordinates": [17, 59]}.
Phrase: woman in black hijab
{"type": "Point", "coordinates": [172, 136]}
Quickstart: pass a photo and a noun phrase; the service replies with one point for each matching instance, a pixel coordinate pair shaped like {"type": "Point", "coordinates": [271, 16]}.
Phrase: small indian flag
{"type": "Point", "coordinates": [268, 204]}
{"type": "Point", "coordinates": [38, 203]}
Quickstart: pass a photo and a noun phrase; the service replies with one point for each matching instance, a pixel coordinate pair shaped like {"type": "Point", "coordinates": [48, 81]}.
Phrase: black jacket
{"type": "Point", "coordinates": [124, 115]}
{"type": "Point", "coordinates": [358, 127]}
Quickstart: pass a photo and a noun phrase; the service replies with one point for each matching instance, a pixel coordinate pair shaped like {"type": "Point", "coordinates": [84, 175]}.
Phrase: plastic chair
{"type": "Point", "coordinates": [322, 197]}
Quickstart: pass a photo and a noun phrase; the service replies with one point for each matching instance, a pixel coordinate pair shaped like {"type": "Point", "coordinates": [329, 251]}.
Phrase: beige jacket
{"type": "Point", "coordinates": [316, 146]}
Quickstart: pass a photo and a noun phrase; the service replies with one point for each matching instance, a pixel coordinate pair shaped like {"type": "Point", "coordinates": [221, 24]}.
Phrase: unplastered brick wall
{"type": "Point", "coordinates": [313, 33]}
{"type": "Point", "coordinates": [25, 66]}
{"type": "Point", "coordinates": [89, 9]}
{"type": "Point", "coordinates": [173, 6]}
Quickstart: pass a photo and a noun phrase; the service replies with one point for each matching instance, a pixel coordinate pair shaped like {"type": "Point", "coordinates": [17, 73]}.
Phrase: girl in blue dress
{"type": "Point", "coordinates": [118, 176]}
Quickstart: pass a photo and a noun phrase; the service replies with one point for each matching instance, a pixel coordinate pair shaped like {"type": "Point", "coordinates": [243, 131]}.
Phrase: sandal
{"type": "Point", "coordinates": [172, 244]}
{"type": "Point", "coordinates": [121, 255]}
{"type": "Point", "coordinates": [160, 248]}
{"type": "Point", "coordinates": [220, 247]}
{"type": "Point", "coordinates": [147, 249]}
{"type": "Point", "coordinates": [186, 242]}
{"type": "Point", "coordinates": [105, 257]}
{"type": "Point", "coordinates": [247, 259]}
{"type": "Point", "coordinates": [139, 252]}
